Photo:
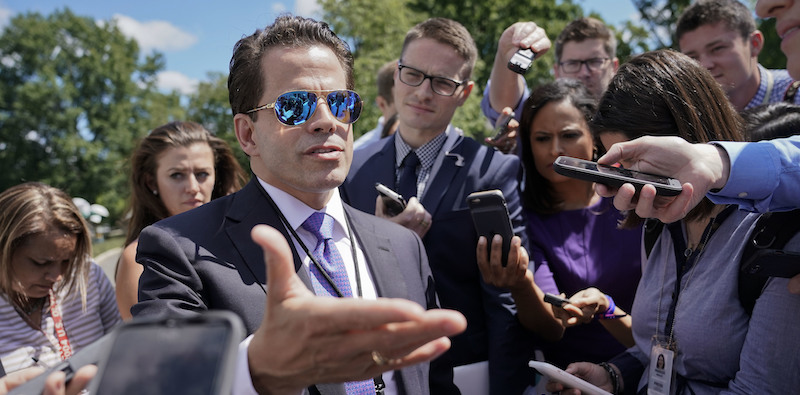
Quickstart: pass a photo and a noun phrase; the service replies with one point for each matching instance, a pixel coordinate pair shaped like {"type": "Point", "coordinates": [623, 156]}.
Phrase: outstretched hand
{"type": "Point", "coordinates": [304, 339]}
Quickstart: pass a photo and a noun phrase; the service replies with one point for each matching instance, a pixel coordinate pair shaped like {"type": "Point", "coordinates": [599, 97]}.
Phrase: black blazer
{"type": "Point", "coordinates": [205, 259]}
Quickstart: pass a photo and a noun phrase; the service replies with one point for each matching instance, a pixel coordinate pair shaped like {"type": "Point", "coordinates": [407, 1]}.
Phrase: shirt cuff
{"type": "Point", "coordinates": [753, 172]}
{"type": "Point", "coordinates": [243, 383]}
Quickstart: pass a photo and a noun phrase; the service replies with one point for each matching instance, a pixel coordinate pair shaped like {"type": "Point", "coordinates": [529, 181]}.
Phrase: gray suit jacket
{"type": "Point", "coordinates": [205, 259]}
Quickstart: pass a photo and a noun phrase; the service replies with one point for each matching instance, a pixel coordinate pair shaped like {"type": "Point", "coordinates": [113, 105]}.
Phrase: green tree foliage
{"type": "Point", "coordinates": [73, 98]}
{"type": "Point", "coordinates": [375, 31]}
{"type": "Point", "coordinates": [210, 107]}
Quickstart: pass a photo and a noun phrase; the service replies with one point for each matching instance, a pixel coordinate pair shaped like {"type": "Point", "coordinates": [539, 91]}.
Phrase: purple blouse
{"type": "Point", "coordinates": [576, 249]}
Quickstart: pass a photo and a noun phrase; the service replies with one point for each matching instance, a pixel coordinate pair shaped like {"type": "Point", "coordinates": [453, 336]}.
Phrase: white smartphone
{"type": "Point", "coordinates": [615, 176]}
{"type": "Point", "coordinates": [556, 374]}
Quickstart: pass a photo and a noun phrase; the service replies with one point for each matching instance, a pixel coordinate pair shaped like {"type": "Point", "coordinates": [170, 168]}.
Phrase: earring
{"type": "Point", "coordinates": [155, 192]}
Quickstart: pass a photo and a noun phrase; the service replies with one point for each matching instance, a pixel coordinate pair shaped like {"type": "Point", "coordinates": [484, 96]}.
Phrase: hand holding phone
{"type": "Point", "coordinates": [490, 216]}
{"type": "Point", "coordinates": [393, 202]}
{"type": "Point", "coordinates": [501, 128]}
{"type": "Point", "coordinates": [556, 300]}
{"type": "Point", "coordinates": [615, 176]}
{"type": "Point", "coordinates": [570, 381]}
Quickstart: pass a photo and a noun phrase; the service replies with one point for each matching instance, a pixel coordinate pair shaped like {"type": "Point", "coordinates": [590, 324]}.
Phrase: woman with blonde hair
{"type": "Point", "coordinates": [54, 300]}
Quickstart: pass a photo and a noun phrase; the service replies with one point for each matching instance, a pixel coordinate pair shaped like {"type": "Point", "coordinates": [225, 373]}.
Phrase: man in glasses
{"type": "Point", "coordinates": [290, 90]}
{"type": "Point", "coordinates": [435, 167]}
{"type": "Point", "coordinates": [585, 50]}
{"type": "Point", "coordinates": [721, 35]}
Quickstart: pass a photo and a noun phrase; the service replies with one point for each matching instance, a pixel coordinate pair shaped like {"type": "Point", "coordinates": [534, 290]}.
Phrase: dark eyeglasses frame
{"type": "Point", "coordinates": [319, 94]}
{"type": "Point", "coordinates": [586, 62]}
{"type": "Point", "coordinates": [401, 66]}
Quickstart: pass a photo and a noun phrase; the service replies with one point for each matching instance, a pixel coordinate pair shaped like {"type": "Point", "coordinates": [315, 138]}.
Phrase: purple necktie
{"type": "Point", "coordinates": [326, 253]}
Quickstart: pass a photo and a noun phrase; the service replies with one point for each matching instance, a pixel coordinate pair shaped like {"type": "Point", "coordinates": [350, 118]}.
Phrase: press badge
{"type": "Point", "coordinates": [661, 372]}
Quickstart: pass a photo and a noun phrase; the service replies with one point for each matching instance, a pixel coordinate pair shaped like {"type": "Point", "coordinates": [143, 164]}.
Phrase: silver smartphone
{"type": "Point", "coordinates": [615, 176]}
{"type": "Point", "coordinates": [393, 202]}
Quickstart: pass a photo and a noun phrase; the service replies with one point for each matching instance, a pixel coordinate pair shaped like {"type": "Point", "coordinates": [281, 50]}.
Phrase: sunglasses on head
{"type": "Point", "coordinates": [295, 107]}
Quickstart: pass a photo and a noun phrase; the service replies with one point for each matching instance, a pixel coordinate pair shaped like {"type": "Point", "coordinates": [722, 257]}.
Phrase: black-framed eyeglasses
{"type": "Point", "coordinates": [574, 66]}
{"type": "Point", "coordinates": [440, 85]}
{"type": "Point", "coordinates": [296, 107]}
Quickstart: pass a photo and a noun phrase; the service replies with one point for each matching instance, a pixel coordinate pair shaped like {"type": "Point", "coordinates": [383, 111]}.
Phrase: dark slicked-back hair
{"type": "Point", "coordinates": [538, 195]}
{"type": "Point", "coordinates": [771, 121]}
{"type": "Point", "coordinates": [448, 32]}
{"type": "Point", "coordinates": [733, 13]}
{"type": "Point", "coordinates": [666, 93]}
{"type": "Point", "coordinates": [246, 80]}
{"type": "Point", "coordinates": [583, 29]}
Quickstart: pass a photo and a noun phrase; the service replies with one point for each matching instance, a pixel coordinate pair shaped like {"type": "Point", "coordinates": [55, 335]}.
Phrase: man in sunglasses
{"type": "Point", "coordinates": [290, 90]}
{"type": "Point", "coordinates": [435, 167]}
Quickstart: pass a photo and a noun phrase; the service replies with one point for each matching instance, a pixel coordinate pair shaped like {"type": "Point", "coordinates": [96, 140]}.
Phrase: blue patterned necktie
{"type": "Point", "coordinates": [326, 253]}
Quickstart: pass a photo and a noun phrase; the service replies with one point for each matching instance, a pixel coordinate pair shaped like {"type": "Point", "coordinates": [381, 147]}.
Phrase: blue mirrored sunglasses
{"type": "Point", "coordinates": [295, 107]}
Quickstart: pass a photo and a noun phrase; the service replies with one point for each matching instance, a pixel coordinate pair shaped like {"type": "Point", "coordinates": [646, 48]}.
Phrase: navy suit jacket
{"type": "Point", "coordinates": [205, 259]}
{"type": "Point", "coordinates": [462, 167]}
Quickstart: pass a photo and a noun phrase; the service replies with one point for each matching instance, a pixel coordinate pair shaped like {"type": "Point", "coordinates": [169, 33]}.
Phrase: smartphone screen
{"type": "Point", "coordinates": [159, 358]}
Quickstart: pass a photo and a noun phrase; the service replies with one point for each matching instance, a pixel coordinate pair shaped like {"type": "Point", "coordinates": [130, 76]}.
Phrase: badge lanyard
{"type": "Point", "coordinates": [62, 343]}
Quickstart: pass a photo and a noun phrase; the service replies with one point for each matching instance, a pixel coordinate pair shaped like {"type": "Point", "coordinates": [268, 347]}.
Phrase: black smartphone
{"type": "Point", "coordinates": [490, 216]}
{"type": "Point", "coordinates": [393, 202]}
{"type": "Point", "coordinates": [615, 176]}
{"type": "Point", "coordinates": [521, 61]}
{"type": "Point", "coordinates": [90, 354]}
{"type": "Point", "coordinates": [769, 262]}
{"type": "Point", "coordinates": [555, 300]}
{"type": "Point", "coordinates": [501, 128]}
{"type": "Point", "coordinates": [187, 355]}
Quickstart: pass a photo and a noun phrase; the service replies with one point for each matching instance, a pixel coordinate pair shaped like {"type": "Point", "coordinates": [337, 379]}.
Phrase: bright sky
{"type": "Point", "coordinates": [197, 37]}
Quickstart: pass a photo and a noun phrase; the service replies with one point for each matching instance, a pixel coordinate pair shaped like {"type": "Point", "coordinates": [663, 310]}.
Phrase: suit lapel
{"type": "Point", "coordinates": [451, 161]}
{"type": "Point", "coordinates": [381, 257]}
{"type": "Point", "coordinates": [248, 209]}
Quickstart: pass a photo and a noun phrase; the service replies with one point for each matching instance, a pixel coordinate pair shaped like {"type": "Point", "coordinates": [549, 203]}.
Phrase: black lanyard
{"type": "Point", "coordinates": [685, 258]}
